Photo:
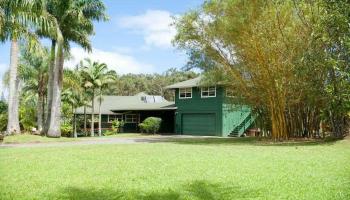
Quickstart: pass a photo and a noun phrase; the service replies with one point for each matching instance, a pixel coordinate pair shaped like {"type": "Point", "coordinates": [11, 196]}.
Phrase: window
{"type": "Point", "coordinates": [185, 93]}
{"type": "Point", "coordinates": [111, 118]}
{"type": "Point", "coordinates": [208, 92]}
{"type": "Point", "coordinates": [131, 118]}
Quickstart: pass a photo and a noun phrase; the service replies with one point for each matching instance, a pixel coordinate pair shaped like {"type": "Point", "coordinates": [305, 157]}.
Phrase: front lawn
{"type": "Point", "coordinates": [207, 169]}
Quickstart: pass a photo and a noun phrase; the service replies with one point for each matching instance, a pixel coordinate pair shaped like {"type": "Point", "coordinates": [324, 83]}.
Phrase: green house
{"type": "Point", "coordinates": [132, 110]}
{"type": "Point", "coordinates": [208, 111]}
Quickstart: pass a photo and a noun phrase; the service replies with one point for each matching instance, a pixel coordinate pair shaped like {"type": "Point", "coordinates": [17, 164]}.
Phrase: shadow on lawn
{"type": "Point", "coordinates": [194, 190]}
{"type": "Point", "coordinates": [247, 141]}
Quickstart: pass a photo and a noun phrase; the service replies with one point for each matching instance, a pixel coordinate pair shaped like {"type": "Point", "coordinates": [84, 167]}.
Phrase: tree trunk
{"type": "Point", "coordinates": [74, 123]}
{"type": "Point", "coordinates": [93, 113]}
{"type": "Point", "coordinates": [13, 101]}
{"type": "Point", "coordinates": [55, 119]}
{"type": "Point", "coordinates": [99, 116]}
{"type": "Point", "coordinates": [40, 111]}
{"type": "Point", "coordinates": [278, 120]}
{"type": "Point", "coordinates": [85, 121]}
{"type": "Point", "coordinates": [50, 87]}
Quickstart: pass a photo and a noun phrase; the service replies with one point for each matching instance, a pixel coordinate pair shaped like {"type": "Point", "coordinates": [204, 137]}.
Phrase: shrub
{"type": "Point", "coordinates": [66, 130]}
{"type": "Point", "coordinates": [108, 132]}
{"type": "Point", "coordinates": [150, 125]}
{"type": "Point", "coordinates": [117, 125]}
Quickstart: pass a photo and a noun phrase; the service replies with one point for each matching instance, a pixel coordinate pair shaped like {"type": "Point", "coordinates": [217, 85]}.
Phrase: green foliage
{"type": "Point", "coordinates": [66, 130]}
{"type": "Point", "coordinates": [108, 133]}
{"type": "Point", "coordinates": [3, 121]}
{"type": "Point", "coordinates": [131, 84]}
{"type": "Point", "coordinates": [3, 107]}
{"type": "Point", "coordinates": [27, 112]}
{"type": "Point", "coordinates": [289, 60]}
{"type": "Point", "coordinates": [150, 125]}
{"type": "Point", "coordinates": [3, 115]}
{"type": "Point", "coordinates": [117, 125]}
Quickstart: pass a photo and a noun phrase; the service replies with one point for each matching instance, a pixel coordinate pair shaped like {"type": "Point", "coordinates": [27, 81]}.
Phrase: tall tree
{"type": "Point", "coordinates": [33, 71]}
{"type": "Point", "coordinates": [332, 32]}
{"type": "Point", "coordinates": [106, 78]}
{"type": "Point", "coordinates": [73, 93]}
{"type": "Point", "coordinates": [17, 19]}
{"type": "Point", "coordinates": [75, 21]}
{"type": "Point", "coordinates": [95, 76]}
{"type": "Point", "coordinates": [257, 46]}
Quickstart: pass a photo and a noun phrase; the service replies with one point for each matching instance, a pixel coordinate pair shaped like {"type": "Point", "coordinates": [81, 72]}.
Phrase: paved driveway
{"type": "Point", "coordinates": [111, 140]}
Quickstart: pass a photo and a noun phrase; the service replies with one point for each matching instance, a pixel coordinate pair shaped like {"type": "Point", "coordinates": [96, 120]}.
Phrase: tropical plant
{"type": "Point", "coordinates": [17, 19]}
{"type": "Point", "coordinates": [151, 125]}
{"type": "Point", "coordinates": [117, 125]}
{"type": "Point", "coordinates": [277, 56]}
{"type": "Point", "coordinates": [75, 23]}
{"type": "Point", "coordinates": [106, 78]}
{"type": "Point", "coordinates": [33, 71]}
{"type": "Point", "coordinates": [95, 77]}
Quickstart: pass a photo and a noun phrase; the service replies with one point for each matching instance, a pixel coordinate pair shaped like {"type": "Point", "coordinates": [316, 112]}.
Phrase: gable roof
{"type": "Point", "coordinates": [195, 82]}
{"type": "Point", "coordinates": [113, 104]}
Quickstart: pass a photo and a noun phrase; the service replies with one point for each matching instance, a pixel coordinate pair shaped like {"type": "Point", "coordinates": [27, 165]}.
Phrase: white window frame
{"type": "Point", "coordinates": [135, 118]}
{"type": "Point", "coordinates": [119, 119]}
{"type": "Point", "coordinates": [207, 89]}
{"type": "Point", "coordinates": [185, 93]}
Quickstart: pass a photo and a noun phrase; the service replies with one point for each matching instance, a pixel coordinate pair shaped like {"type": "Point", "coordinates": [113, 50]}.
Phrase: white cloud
{"type": "Point", "coordinates": [119, 62]}
{"type": "Point", "coordinates": [154, 25]}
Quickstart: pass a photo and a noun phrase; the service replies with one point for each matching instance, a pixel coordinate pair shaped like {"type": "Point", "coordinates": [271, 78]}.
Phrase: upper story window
{"type": "Point", "coordinates": [185, 93]}
{"type": "Point", "coordinates": [208, 92]}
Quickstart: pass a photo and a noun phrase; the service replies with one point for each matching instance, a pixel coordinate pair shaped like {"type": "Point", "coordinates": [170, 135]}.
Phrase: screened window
{"type": "Point", "coordinates": [111, 118]}
{"type": "Point", "coordinates": [185, 93]}
{"type": "Point", "coordinates": [131, 118]}
{"type": "Point", "coordinates": [208, 92]}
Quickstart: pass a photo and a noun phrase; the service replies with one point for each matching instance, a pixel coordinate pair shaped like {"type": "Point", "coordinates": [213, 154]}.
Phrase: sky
{"type": "Point", "coordinates": [136, 39]}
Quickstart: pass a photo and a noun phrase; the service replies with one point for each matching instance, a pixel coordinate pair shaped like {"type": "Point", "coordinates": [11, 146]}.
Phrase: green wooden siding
{"type": "Point", "coordinates": [232, 116]}
{"type": "Point", "coordinates": [199, 105]}
{"type": "Point", "coordinates": [208, 116]}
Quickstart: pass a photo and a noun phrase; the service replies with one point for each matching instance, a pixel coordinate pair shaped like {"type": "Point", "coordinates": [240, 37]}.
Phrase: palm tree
{"type": "Point", "coordinates": [17, 18]}
{"type": "Point", "coordinates": [74, 19]}
{"type": "Point", "coordinates": [73, 98]}
{"type": "Point", "coordinates": [85, 97]}
{"type": "Point", "coordinates": [33, 71]}
{"type": "Point", "coordinates": [105, 79]}
{"type": "Point", "coordinates": [95, 77]}
{"type": "Point", "coordinates": [72, 93]}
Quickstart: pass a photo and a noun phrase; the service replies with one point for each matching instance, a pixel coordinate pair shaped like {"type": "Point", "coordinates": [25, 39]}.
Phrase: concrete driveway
{"type": "Point", "coordinates": [104, 140]}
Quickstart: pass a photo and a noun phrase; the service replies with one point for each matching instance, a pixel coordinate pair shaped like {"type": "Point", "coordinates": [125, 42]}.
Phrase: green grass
{"type": "Point", "coordinates": [179, 169]}
{"type": "Point", "coordinates": [27, 138]}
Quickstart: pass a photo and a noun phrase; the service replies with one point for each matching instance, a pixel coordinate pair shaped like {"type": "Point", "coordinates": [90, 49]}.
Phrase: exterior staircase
{"type": "Point", "coordinates": [243, 126]}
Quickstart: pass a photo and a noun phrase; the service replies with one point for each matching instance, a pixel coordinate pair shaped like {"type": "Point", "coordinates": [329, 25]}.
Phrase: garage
{"type": "Point", "coordinates": [199, 124]}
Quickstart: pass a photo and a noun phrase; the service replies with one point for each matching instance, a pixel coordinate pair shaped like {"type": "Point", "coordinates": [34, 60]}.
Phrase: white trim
{"type": "Point", "coordinates": [185, 93]}
{"type": "Point", "coordinates": [118, 118]}
{"type": "Point", "coordinates": [208, 92]}
{"type": "Point", "coordinates": [132, 121]}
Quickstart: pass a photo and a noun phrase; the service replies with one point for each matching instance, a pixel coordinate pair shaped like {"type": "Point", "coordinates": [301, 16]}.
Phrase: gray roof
{"type": "Point", "coordinates": [185, 84]}
{"type": "Point", "coordinates": [141, 101]}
